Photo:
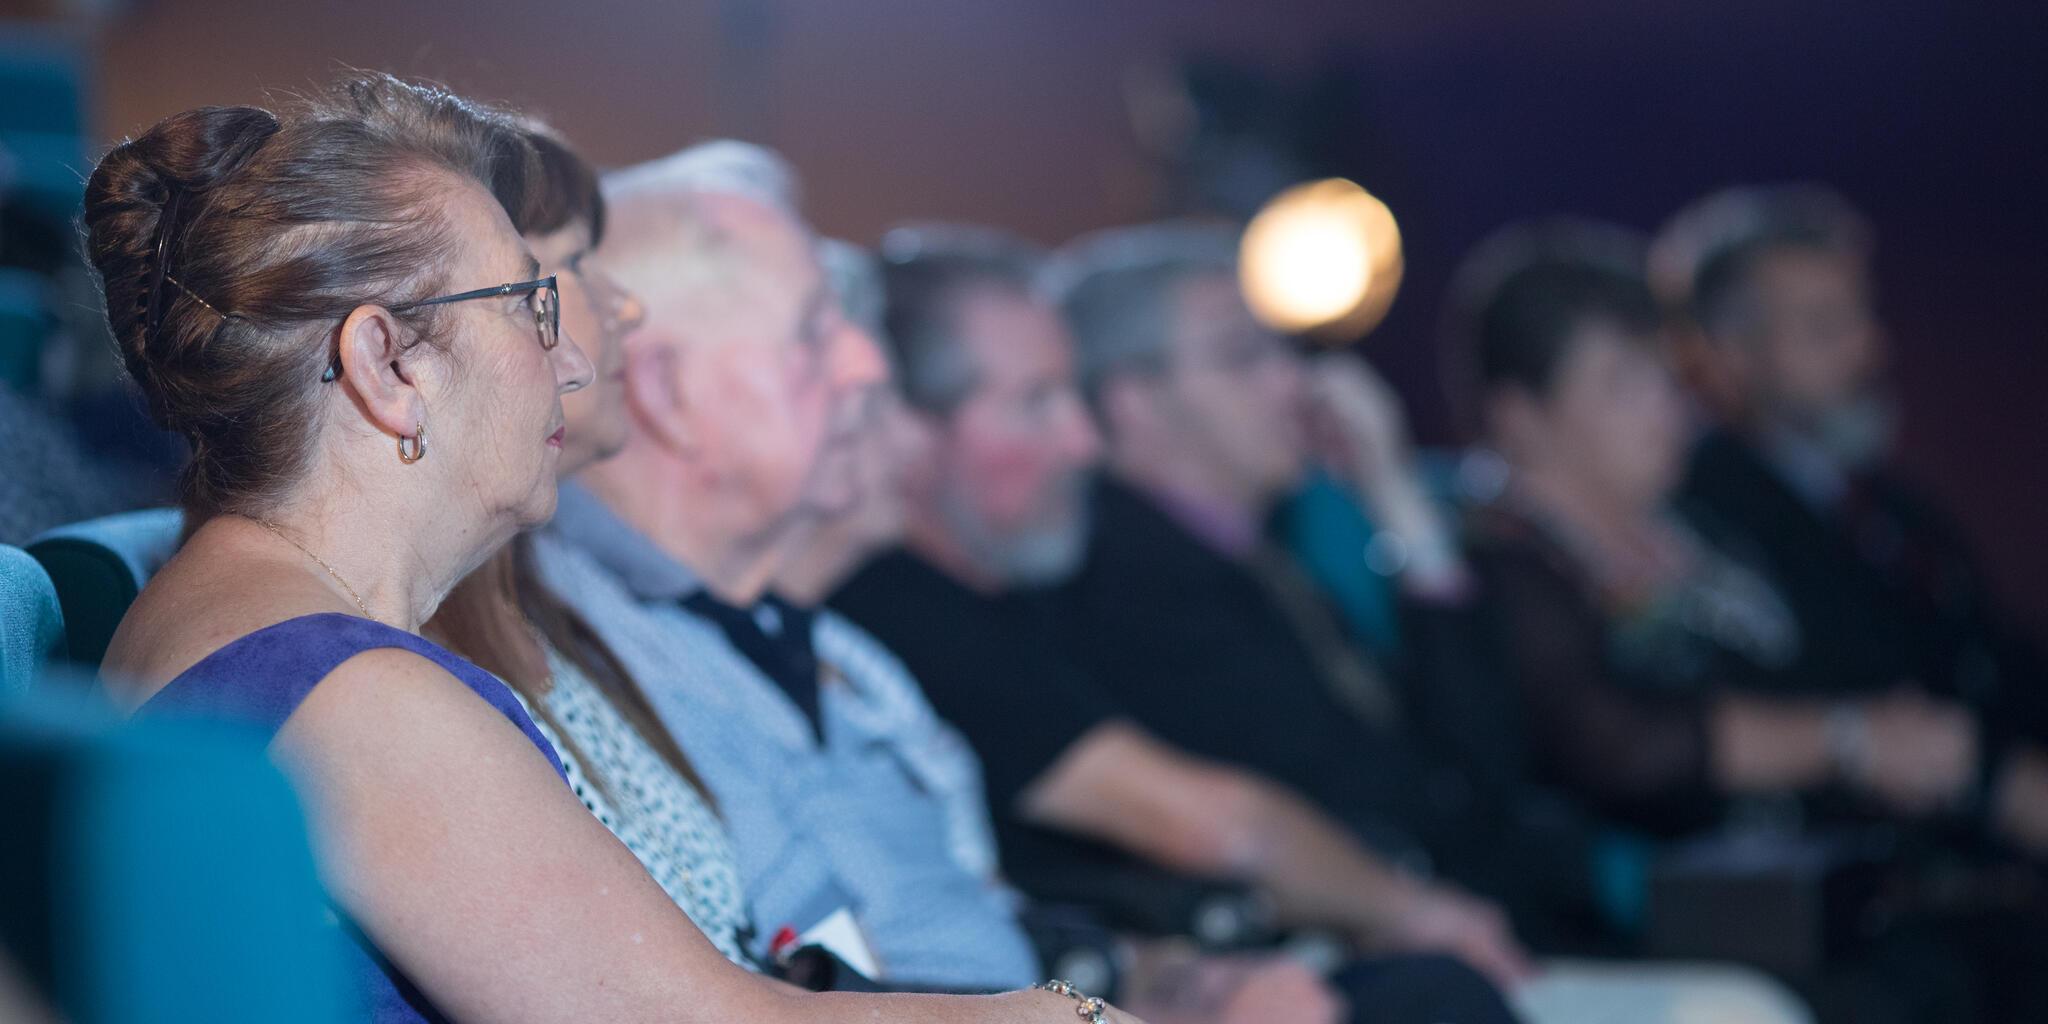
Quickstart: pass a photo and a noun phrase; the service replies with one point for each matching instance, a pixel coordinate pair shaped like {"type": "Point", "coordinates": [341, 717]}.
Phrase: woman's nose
{"type": "Point", "coordinates": [572, 368]}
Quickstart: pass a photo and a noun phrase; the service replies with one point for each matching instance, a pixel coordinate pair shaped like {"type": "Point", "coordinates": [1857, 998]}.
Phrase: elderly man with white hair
{"type": "Point", "coordinates": [744, 389]}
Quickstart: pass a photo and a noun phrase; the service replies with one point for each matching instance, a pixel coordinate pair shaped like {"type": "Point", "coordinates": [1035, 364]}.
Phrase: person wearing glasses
{"type": "Point", "coordinates": [625, 768]}
{"type": "Point", "coordinates": [243, 254]}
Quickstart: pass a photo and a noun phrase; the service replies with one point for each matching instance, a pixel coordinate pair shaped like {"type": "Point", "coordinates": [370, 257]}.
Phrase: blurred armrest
{"type": "Point", "coordinates": [1147, 901]}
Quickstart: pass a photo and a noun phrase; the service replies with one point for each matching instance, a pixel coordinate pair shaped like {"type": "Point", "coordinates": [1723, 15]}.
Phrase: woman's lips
{"type": "Point", "coordinates": [555, 439]}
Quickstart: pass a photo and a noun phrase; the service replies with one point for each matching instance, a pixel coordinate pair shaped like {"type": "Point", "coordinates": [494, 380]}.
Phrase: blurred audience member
{"type": "Point", "coordinates": [1789, 355]}
{"type": "Point", "coordinates": [890, 442]}
{"type": "Point", "coordinates": [1212, 636]}
{"type": "Point", "coordinates": [1645, 657]}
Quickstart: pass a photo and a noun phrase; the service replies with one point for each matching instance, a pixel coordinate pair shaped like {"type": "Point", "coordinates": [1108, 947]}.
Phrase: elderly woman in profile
{"type": "Point", "coordinates": [334, 309]}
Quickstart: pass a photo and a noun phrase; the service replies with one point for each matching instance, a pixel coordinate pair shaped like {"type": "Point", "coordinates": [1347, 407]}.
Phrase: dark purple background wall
{"type": "Point", "coordinates": [1472, 112]}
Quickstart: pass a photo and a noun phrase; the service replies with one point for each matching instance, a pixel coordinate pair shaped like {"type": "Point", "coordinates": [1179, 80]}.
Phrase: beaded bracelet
{"type": "Point", "coordinates": [1090, 1008]}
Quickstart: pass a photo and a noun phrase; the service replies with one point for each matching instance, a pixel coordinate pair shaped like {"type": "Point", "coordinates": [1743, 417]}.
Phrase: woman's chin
{"type": "Point", "coordinates": [539, 507]}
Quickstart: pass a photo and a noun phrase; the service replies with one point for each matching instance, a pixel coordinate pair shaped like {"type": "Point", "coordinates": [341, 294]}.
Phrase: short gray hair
{"type": "Point", "coordinates": [925, 270]}
{"type": "Point", "coordinates": [1702, 259]}
{"type": "Point", "coordinates": [666, 229]}
{"type": "Point", "coordinates": [1117, 288]}
{"type": "Point", "coordinates": [721, 166]}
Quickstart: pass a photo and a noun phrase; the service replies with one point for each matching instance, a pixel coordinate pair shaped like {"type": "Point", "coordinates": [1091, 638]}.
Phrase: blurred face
{"type": "Point", "coordinates": [499, 431]}
{"type": "Point", "coordinates": [1612, 422]}
{"type": "Point", "coordinates": [1013, 459]}
{"type": "Point", "coordinates": [597, 313]}
{"type": "Point", "coordinates": [1815, 353]}
{"type": "Point", "coordinates": [893, 444]}
{"type": "Point", "coordinates": [1234, 391]}
{"type": "Point", "coordinates": [772, 379]}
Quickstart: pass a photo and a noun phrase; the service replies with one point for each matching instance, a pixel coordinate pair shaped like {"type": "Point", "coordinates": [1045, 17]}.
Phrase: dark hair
{"type": "Point", "coordinates": [1520, 297]}
{"type": "Point", "coordinates": [231, 241]}
{"type": "Point", "coordinates": [1118, 289]}
{"type": "Point", "coordinates": [925, 272]}
{"type": "Point", "coordinates": [564, 192]}
{"type": "Point", "coordinates": [1526, 329]}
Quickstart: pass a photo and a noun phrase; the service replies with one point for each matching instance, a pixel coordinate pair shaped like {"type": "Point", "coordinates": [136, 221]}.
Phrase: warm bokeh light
{"type": "Point", "coordinates": [1322, 259]}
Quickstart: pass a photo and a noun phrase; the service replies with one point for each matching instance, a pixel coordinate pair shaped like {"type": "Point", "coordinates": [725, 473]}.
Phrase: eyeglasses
{"type": "Point", "coordinates": [546, 302]}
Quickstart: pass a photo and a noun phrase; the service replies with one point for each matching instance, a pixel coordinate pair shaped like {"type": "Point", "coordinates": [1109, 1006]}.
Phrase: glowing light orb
{"type": "Point", "coordinates": [1322, 259]}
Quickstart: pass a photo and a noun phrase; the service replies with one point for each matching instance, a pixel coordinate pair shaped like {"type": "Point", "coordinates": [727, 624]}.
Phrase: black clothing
{"type": "Point", "coordinates": [1226, 661]}
{"type": "Point", "coordinates": [1883, 587]}
{"type": "Point", "coordinates": [989, 665]}
{"type": "Point", "coordinates": [776, 636]}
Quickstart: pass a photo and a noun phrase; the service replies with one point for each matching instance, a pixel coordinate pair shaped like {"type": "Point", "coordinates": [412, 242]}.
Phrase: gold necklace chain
{"type": "Point", "coordinates": [323, 564]}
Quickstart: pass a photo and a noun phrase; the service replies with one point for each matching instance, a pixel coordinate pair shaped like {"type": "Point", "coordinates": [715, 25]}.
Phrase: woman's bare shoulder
{"type": "Point", "coordinates": [202, 600]}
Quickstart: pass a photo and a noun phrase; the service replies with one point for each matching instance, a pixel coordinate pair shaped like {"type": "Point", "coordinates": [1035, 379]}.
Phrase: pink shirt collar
{"type": "Point", "coordinates": [1215, 523]}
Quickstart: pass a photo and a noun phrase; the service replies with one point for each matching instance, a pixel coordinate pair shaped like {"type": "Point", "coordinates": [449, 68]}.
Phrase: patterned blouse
{"type": "Point", "coordinates": [663, 819]}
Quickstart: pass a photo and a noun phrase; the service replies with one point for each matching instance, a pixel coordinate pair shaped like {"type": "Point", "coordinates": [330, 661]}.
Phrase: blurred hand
{"type": "Point", "coordinates": [1922, 753]}
{"type": "Point", "coordinates": [1355, 420]}
{"type": "Point", "coordinates": [2021, 811]}
{"type": "Point", "coordinates": [1443, 920]}
{"type": "Point", "coordinates": [1278, 990]}
{"type": "Point", "coordinates": [1232, 990]}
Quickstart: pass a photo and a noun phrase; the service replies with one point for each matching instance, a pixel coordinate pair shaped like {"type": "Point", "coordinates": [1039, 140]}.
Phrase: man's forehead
{"type": "Point", "coordinates": [728, 248]}
{"type": "Point", "coordinates": [1811, 263]}
{"type": "Point", "coordinates": [995, 317]}
{"type": "Point", "coordinates": [1208, 294]}
{"type": "Point", "coordinates": [1208, 308]}
{"type": "Point", "coordinates": [1015, 338]}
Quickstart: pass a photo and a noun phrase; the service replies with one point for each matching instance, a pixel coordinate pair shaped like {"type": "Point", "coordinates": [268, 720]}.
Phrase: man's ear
{"type": "Point", "coordinates": [654, 393]}
{"type": "Point", "coordinates": [372, 352]}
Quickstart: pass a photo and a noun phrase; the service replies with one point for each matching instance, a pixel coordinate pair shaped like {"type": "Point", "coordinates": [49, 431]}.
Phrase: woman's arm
{"type": "Point", "coordinates": [460, 853]}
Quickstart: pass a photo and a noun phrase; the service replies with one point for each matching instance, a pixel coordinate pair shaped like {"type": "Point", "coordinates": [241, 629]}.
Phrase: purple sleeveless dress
{"type": "Point", "coordinates": [261, 678]}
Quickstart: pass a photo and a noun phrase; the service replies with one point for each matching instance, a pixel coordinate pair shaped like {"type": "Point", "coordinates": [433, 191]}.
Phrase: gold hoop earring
{"type": "Point", "coordinates": [419, 445]}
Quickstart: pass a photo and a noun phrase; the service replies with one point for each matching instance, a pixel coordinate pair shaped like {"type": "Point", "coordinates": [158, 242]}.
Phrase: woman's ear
{"type": "Point", "coordinates": [654, 392]}
{"type": "Point", "coordinates": [371, 349]}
